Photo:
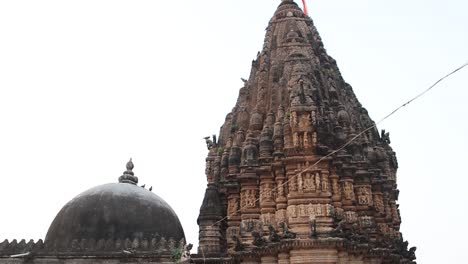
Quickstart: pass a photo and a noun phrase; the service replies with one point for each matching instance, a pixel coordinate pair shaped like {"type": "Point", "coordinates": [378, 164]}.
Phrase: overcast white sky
{"type": "Point", "coordinates": [85, 85]}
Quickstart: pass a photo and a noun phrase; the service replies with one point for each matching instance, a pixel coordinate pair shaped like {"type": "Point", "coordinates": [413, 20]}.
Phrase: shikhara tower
{"type": "Point", "coordinates": [265, 201]}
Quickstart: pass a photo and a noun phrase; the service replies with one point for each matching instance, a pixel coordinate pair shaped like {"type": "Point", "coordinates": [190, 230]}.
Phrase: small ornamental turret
{"type": "Point", "coordinates": [128, 175]}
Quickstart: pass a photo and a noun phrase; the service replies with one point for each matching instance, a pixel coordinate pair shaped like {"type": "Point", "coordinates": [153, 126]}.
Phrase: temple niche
{"type": "Point", "coordinates": [285, 195]}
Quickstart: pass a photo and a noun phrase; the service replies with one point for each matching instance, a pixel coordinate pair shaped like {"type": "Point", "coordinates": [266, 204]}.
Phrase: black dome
{"type": "Point", "coordinates": [114, 211]}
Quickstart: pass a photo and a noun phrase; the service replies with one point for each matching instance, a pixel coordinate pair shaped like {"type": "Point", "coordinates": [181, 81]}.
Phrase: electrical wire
{"type": "Point", "coordinates": [352, 139]}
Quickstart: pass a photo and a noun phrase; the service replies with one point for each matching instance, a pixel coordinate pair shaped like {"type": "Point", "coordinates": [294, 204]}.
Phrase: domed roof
{"type": "Point", "coordinates": [115, 211]}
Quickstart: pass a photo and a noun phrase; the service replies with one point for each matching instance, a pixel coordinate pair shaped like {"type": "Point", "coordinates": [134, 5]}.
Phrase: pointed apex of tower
{"type": "Point", "coordinates": [128, 175]}
{"type": "Point", "coordinates": [130, 165]}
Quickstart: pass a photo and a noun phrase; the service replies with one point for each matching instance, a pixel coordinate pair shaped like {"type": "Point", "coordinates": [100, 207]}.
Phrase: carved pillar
{"type": "Point", "coordinates": [267, 199]}
{"type": "Point", "coordinates": [250, 209]}
{"type": "Point", "coordinates": [282, 187]}
{"type": "Point", "coordinates": [336, 189]}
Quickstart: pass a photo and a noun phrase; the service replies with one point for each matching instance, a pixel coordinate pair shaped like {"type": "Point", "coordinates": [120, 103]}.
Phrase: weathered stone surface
{"type": "Point", "coordinates": [280, 170]}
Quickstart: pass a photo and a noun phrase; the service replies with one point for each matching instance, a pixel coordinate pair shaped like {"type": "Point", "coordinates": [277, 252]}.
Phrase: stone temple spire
{"type": "Point", "coordinates": [295, 109]}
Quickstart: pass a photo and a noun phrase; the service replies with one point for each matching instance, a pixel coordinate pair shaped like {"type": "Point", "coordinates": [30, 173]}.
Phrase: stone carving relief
{"type": "Point", "coordinates": [366, 221]}
{"type": "Point", "coordinates": [378, 203]}
{"type": "Point", "coordinates": [233, 206]}
{"type": "Point", "coordinates": [268, 219]}
{"type": "Point", "coordinates": [251, 225]}
{"type": "Point", "coordinates": [249, 199]}
{"type": "Point", "coordinates": [350, 217]}
{"type": "Point", "coordinates": [348, 190]}
{"type": "Point", "coordinates": [317, 180]}
{"type": "Point", "coordinates": [325, 182]}
{"type": "Point", "coordinates": [309, 183]}
{"type": "Point", "coordinates": [267, 193]}
{"type": "Point", "coordinates": [336, 187]}
{"type": "Point", "coordinates": [292, 183]}
{"type": "Point", "coordinates": [303, 136]}
{"type": "Point", "coordinates": [310, 211]}
{"type": "Point", "coordinates": [364, 195]}
{"type": "Point", "coordinates": [281, 216]}
{"type": "Point", "coordinates": [300, 87]}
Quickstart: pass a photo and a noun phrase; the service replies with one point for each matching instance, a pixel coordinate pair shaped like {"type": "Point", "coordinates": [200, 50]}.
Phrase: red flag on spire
{"type": "Point", "coordinates": [305, 7]}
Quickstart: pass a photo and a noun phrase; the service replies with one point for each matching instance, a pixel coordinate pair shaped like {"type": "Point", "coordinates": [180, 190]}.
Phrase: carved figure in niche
{"type": "Point", "coordinates": [306, 141]}
{"type": "Point", "coordinates": [233, 206]}
{"type": "Point", "coordinates": [325, 187]}
{"type": "Point", "coordinates": [317, 180]}
{"type": "Point", "coordinates": [319, 210]}
{"type": "Point", "coordinates": [314, 139]}
{"type": "Point", "coordinates": [251, 199]}
{"type": "Point", "coordinates": [309, 183]}
{"type": "Point", "coordinates": [239, 246]}
{"type": "Point", "coordinates": [299, 87]}
{"type": "Point", "coordinates": [296, 140]}
{"type": "Point", "coordinates": [311, 210]}
{"type": "Point", "coordinates": [292, 184]}
{"type": "Point", "coordinates": [261, 98]}
{"type": "Point", "coordinates": [298, 93]}
{"type": "Point", "coordinates": [268, 219]}
{"type": "Point", "coordinates": [273, 236]}
{"type": "Point", "coordinates": [364, 196]}
{"type": "Point", "coordinates": [292, 211]}
{"type": "Point", "coordinates": [250, 225]}
{"type": "Point", "coordinates": [336, 187]}
{"type": "Point", "coordinates": [378, 203]}
{"type": "Point", "coordinates": [281, 216]}
{"type": "Point", "coordinates": [348, 191]}
{"type": "Point", "coordinates": [350, 216]}
{"type": "Point", "coordinates": [293, 120]}
{"type": "Point", "coordinates": [366, 221]}
{"type": "Point", "coordinates": [299, 183]}
{"type": "Point", "coordinates": [302, 210]}
{"type": "Point", "coordinates": [286, 233]}
{"type": "Point", "coordinates": [304, 122]}
{"type": "Point", "coordinates": [343, 116]}
{"type": "Point", "coordinates": [258, 240]}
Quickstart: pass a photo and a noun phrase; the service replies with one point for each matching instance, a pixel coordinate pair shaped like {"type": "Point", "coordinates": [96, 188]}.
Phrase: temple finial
{"type": "Point", "coordinates": [130, 165]}
{"type": "Point", "coordinates": [128, 175]}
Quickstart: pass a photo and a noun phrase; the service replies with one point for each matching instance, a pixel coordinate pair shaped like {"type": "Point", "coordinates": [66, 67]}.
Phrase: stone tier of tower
{"type": "Point", "coordinates": [266, 202]}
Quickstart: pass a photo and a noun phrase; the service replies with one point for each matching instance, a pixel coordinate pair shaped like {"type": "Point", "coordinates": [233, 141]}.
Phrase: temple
{"type": "Point", "coordinates": [292, 178]}
{"type": "Point", "coordinates": [299, 174]}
